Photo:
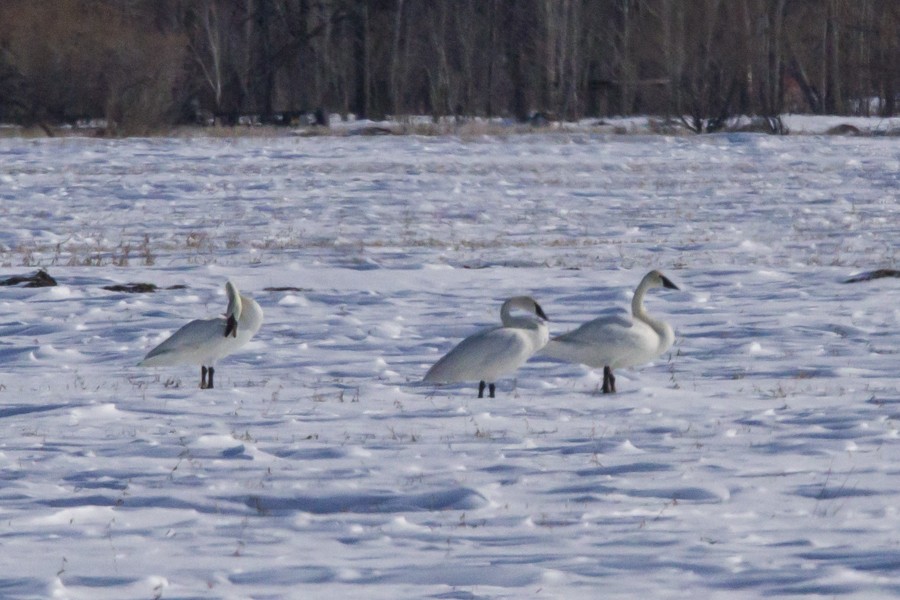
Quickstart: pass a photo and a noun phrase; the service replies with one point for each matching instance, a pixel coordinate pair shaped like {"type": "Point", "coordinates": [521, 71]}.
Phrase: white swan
{"type": "Point", "coordinates": [204, 341]}
{"type": "Point", "coordinates": [494, 353]}
{"type": "Point", "coordinates": [617, 341]}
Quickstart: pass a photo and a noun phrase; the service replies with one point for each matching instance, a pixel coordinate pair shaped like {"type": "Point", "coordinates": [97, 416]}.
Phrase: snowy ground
{"type": "Point", "coordinates": [761, 457]}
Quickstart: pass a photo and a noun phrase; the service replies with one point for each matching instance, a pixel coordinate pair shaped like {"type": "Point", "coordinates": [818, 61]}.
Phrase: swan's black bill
{"type": "Point", "coordinates": [667, 283]}
{"type": "Point", "coordinates": [540, 311]}
{"type": "Point", "coordinates": [231, 326]}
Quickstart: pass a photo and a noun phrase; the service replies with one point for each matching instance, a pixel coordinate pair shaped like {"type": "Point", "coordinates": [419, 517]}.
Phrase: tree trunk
{"type": "Point", "coordinates": [492, 47]}
{"type": "Point", "coordinates": [396, 94]}
{"type": "Point", "coordinates": [776, 69]}
{"type": "Point", "coordinates": [360, 104]}
{"type": "Point", "coordinates": [832, 74]}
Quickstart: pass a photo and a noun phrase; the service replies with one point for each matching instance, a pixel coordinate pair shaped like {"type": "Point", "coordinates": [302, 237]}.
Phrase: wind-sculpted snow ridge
{"type": "Point", "coordinates": [759, 457]}
{"type": "Point", "coordinates": [451, 499]}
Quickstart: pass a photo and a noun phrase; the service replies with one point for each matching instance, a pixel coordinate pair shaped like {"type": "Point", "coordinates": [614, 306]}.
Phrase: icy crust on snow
{"type": "Point", "coordinates": [760, 457]}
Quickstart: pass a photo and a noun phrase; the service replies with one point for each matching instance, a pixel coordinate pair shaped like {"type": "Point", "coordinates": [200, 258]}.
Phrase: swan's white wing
{"type": "Point", "coordinates": [599, 326]}
{"type": "Point", "coordinates": [614, 341]}
{"type": "Point", "coordinates": [251, 318]}
{"type": "Point", "coordinates": [486, 356]}
{"type": "Point", "coordinates": [199, 342]}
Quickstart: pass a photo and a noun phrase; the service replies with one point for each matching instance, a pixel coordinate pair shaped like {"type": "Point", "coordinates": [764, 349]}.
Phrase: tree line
{"type": "Point", "coordinates": [142, 64]}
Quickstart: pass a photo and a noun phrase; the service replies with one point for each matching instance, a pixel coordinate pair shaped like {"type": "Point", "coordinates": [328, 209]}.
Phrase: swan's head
{"type": "Point", "coordinates": [656, 279]}
{"type": "Point", "coordinates": [526, 303]}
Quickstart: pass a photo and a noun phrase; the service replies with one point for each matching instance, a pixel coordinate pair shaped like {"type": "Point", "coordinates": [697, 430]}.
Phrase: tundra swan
{"type": "Point", "coordinates": [204, 341]}
{"type": "Point", "coordinates": [617, 341]}
{"type": "Point", "coordinates": [496, 352]}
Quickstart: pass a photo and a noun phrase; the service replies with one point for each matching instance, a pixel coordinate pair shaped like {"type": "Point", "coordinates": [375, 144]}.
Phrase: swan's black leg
{"type": "Point", "coordinates": [609, 381]}
{"type": "Point", "coordinates": [491, 388]}
{"type": "Point", "coordinates": [202, 378]}
{"type": "Point", "coordinates": [211, 371]}
{"type": "Point", "coordinates": [481, 385]}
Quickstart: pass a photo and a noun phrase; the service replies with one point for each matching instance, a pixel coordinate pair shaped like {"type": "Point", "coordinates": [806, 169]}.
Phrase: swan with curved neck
{"type": "Point", "coordinates": [613, 342]}
{"type": "Point", "coordinates": [496, 352]}
{"type": "Point", "coordinates": [205, 341]}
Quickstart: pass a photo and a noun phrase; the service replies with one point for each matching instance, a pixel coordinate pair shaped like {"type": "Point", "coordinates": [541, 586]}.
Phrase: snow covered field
{"type": "Point", "coordinates": [761, 457]}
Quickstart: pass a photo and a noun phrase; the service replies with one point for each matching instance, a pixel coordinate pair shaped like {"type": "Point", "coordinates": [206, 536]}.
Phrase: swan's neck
{"type": "Point", "coordinates": [637, 303]}
{"type": "Point", "coordinates": [505, 317]}
{"type": "Point", "coordinates": [509, 320]}
{"type": "Point", "coordinates": [663, 329]}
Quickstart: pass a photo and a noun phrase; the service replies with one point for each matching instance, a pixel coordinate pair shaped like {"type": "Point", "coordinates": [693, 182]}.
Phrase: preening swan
{"type": "Point", "coordinates": [204, 341]}
{"type": "Point", "coordinates": [494, 353]}
{"type": "Point", "coordinates": [612, 342]}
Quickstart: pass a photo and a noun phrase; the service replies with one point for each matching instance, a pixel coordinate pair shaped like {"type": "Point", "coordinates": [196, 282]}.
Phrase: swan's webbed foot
{"type": "Point", "coordinates": [481, 386]}
{"type": "Point", "coordinates": [609, 381]}
{"type": "Point", "coordinates": [491, 388]}
{"type": "Point", "coordinates": [231, 327]}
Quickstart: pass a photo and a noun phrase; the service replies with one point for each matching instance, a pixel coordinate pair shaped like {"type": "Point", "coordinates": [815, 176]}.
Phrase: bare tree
{"type": "Point", "coordinates": [207, 46]}
{"type": "Point", "coordinates": [702, 59]}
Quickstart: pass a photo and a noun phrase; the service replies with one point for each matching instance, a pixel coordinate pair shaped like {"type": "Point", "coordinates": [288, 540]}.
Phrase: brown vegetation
{"type": "Point", "coordinates": [68, 60]}
{"type": "Point", "coordinates": [142, 64]}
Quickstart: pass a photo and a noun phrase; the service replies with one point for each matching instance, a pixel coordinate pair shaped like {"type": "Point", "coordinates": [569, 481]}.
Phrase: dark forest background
{"type": "Point", "coordinates": [144, 64]}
